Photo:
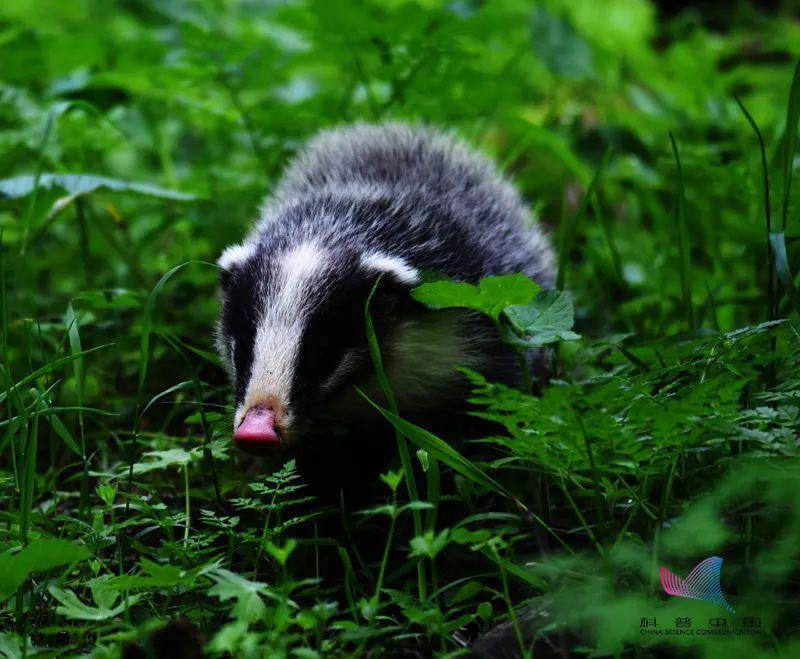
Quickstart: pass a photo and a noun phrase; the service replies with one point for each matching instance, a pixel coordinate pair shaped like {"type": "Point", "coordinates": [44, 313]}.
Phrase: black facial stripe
{"type": "Point", "coordinates": [335, 327]}
{"type": "Point", "coordinates": [240, 312]}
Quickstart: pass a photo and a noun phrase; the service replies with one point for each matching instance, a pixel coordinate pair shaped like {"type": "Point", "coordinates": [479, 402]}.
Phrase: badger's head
{"type": "Point", "coordinates": [292, 334]}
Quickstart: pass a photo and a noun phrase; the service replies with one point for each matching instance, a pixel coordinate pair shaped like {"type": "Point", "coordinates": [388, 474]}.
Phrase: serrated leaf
{"type": "Point", "coordinates": [546, 319]}
{"type": "Point", "coordinates": [490, 296]}
{"type": "Point", "coordinates": [152, 460]}
{"type": "Point", "coordinates": [73, 607]}
{"type": "Point", "coordinates": [429, 544]}
{"type": "Point", "coordinates": [249, 606]}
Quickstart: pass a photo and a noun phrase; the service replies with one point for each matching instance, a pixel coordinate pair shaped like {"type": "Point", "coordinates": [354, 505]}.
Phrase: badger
{"type": "Point", "coordinates": [390, 201]}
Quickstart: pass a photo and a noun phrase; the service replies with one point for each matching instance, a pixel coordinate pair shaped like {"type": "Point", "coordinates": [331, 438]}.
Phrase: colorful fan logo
{"type": "Point", "coordinates": [703, 583]}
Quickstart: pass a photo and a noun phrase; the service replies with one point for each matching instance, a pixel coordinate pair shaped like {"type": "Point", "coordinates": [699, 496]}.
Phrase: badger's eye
{"type": "Point", "coordinates": [349, 362]}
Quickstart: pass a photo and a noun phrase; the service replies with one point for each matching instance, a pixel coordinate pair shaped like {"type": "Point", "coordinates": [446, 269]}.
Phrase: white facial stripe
{"type": "Point", "coordinates": [235, 255]}
{"type": "Point", "coordinates": [394, 265]}
{"type": "Point", "coordinates": [278, 335]}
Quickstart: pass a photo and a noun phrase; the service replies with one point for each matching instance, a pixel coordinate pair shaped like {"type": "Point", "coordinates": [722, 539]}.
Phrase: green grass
{"type": "Point", "coordinates": [137, 141]}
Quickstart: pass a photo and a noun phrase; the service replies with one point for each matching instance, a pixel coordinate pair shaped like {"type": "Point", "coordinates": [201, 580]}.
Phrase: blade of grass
{"type": "Point", "coordinates": [52, 366]}
{"type": "Point", "coordinates": [767, 214]}
{"type": "Point", "coordinates": [29, 481]}
{"type": "Point", "coordinates": [144, 351]}
{"type": "Point", "coordinates": [48, 129]}
{"type": "Point", "coordinates": [777, 240]}
{"type": "Point", "coordinates": [77, 365]}
{"type": "Point", "coordinates": [789, 142]}
{"type": "Point", "coordinates": [434, 492]}
{"type": "Point", "coordinates": [568, 228]}
{"type": "Point", "coordinates": [147, 320]}
{"type": "Point", "coordinates": [616, 262]}
{"type": "Point", "coordinates": [9, 383]}
{"type": "Point", "coordinates": [772, 310]}
{"type": "Point", "coordinates": [197, 385]}
{"type": "Point", "coordinates": [402, 446]}
{"type": "Point", "coordinates": [45, 410]}
{"type": "Point", "coordinates": [683, 239]}
{"type": "Point", "coordinates": [442, 451]}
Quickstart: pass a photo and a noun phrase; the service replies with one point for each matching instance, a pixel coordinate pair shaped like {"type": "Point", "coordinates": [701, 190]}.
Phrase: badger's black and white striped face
{"type": "Point", "coordinates": [292, 330]}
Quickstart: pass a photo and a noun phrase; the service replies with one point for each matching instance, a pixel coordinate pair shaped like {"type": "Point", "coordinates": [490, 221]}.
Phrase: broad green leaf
{"type": "Point", "coordinates": [555, 41]}
{"type": "Point", "coordinates": [73, 607]}
{"type": "Point", "coordinates": [173, 457]}
{"type": "Point", "coordinates": [155, 575]}
{"type": "Point", "coordinates": [490, 296]}
{"type": "Point", "coordinates": [81, 184]}
{"type": "Point", "coordinates": [176, 457]}
{"type": "Point", "coordinates": [38, 556]}
{"type": "Point", "coordinates": [11, 646]}
{"type": "Point", "coordinates": [547, 319]}
{"type": "Point", "coordinates": [249, 607]}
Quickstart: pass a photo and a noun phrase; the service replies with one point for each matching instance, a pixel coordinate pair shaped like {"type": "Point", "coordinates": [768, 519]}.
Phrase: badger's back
{"type": "Point", "coordinates": [413, 191]}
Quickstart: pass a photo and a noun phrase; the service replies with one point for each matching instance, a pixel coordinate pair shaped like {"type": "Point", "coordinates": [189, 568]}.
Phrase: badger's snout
{"type": "Point", "coordinates": [257, 432]}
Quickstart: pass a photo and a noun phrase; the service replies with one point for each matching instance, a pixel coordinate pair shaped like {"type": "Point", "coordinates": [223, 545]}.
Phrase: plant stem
{"type": "Point", "coordinates": [507, 597]}
{"type": "Point", "coordinates": [386, 548]}
{"type": "Point", "coordinates": [525, 367]}
{"type": "Point", "coordinates": [683, 240]}
{"type": "Point", "coordinates": [188, 502]}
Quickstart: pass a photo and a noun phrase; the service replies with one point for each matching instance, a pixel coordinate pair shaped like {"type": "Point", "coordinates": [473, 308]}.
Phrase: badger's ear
{"type": "Point", "coordinates": [232, 258]}
{"type": "Point", "coordinates": [394, 268]}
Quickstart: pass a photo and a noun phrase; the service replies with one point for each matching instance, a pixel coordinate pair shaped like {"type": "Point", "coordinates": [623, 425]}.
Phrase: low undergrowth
{"type": "Point", "coordinates": [136, 142]}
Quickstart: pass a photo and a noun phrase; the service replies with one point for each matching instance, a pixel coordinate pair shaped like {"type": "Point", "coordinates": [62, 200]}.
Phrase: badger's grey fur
{"type": "Point", "coordinates": [359, 201]}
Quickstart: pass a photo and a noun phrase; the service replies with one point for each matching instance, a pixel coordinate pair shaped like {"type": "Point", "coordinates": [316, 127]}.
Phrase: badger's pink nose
{"type": "Point", "coordinates": [257, 429]}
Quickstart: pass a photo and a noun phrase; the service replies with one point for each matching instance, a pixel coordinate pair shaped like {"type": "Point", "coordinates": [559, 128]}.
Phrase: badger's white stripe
{"type": "Point", "coordinates": [394, 265]}
{"type": "Point", "coordinates": [235, 255]}
{"type": "Point", "coordinates": [279, 331]}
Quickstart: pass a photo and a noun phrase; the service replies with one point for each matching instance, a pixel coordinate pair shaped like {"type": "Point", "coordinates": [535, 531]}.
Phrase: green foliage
{"type": "Point", "coordinates": [548, 318]}
{"type": "Point", "coordinates": [76, 185]}
{"type": "Point", "coordinates": [136, 142]}
{"type": "Point", "coordinates": [491, 296]}
{"type": "Point", "coordinates": [39, 556]}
